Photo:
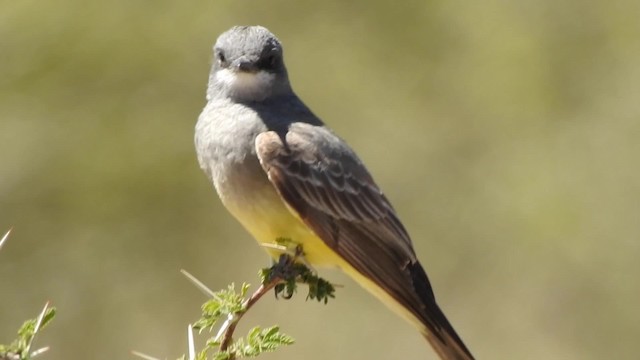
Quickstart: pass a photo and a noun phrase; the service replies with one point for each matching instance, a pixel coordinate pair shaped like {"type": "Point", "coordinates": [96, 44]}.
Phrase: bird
{"type": "Point", "coordinates": [282, 173]}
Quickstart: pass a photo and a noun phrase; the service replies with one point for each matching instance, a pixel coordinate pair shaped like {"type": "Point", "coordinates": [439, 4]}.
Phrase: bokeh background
{"type": "Point", "coordinates": [504, 132]}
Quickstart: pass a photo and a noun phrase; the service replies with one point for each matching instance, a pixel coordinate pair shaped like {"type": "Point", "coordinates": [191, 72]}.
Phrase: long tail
{"type": "Point", "coordinates": [444, 339]}
{"type": "Point", "coordinates": [437, 329]}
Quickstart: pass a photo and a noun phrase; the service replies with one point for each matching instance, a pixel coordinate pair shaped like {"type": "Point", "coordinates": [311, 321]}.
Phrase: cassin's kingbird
{"type": "Point", "coordinates": [283, 174]}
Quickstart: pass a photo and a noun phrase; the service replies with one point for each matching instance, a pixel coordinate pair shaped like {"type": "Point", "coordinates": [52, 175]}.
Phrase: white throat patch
{"type": "Point", "coordinates": [243, 84]}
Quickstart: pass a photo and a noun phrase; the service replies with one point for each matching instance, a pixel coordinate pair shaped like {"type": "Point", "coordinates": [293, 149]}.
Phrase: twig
{"type": "Point", "coordinates": [199, 284]}
{"type": "Point", "coordinates": [192, 345]}
{"type": "Point", "coordinates": [263, 289]}
{"type": "Point", "coordinates": [36, 328]}
{"type": "Point", "coordinates": [40, 351]}
{"type": "Point", "coordinates": [281, 277]}
{"type": "Point", "coordinates": [5, 237]}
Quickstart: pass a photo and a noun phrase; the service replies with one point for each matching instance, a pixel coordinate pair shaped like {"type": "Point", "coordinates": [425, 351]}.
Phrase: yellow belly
{"type": "Point", "coordinates": [267, 218]}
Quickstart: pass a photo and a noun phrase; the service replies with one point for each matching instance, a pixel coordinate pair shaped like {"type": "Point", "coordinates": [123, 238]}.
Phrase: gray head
{"type": "Point", "coordinates": [248, 66]}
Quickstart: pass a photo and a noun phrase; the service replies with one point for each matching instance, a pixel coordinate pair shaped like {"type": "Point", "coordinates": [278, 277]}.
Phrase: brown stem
{"type": "Point", "coordinates": [263, 289]}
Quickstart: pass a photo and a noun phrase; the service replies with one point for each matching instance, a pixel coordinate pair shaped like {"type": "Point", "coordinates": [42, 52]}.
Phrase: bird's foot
{"type": "Point", "coordinates": [289, 271]}
{"type": "Point", "coordinates": [290, 248]}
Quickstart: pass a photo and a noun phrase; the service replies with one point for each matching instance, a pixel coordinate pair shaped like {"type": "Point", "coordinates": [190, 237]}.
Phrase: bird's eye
{"type": "Point", "coordinates": [270, 61]}
{"type": "Point", "coordinates": [221, 57]}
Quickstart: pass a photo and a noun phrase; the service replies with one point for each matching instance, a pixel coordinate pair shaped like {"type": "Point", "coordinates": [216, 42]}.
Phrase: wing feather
{"type": "Point", "coordinates": [323, 180]}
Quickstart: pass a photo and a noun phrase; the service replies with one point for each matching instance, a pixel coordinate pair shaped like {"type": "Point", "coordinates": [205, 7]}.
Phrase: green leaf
{"type": "Point", "coordinates": [223, 355]}
{"type": "Point", "coordinates": [258, 341]}
{"type": "Point", "coordinates": [223, 303]}
{"type": "Point", "coordinates": [18, 348]}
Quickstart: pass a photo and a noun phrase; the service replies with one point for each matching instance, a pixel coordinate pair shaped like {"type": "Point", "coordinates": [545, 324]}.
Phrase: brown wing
{"type": "Point", "coordinates": [323, 180]}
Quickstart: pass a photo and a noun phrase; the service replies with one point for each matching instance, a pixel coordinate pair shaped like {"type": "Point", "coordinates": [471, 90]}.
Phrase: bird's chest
{"type": "Point", "coordinates": [225, 142]}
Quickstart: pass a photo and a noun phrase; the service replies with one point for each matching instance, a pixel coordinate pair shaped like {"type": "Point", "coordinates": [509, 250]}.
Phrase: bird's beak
{"type": "Point", "coordinates": [244, 64]}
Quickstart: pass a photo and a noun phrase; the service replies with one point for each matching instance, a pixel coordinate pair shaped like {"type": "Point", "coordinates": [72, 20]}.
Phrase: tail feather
{"type": "Point", "coordinates": [437, 329]}
{"type": "Point", "coordinates": [444, 339]}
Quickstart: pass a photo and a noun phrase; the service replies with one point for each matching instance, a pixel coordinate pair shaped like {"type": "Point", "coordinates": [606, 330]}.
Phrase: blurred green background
{"type": "Point", "coordinates": [504, 132]}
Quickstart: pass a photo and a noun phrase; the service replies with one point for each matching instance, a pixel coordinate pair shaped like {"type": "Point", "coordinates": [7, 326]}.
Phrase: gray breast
{"type": "Point", "coordinates": [225, 143]}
